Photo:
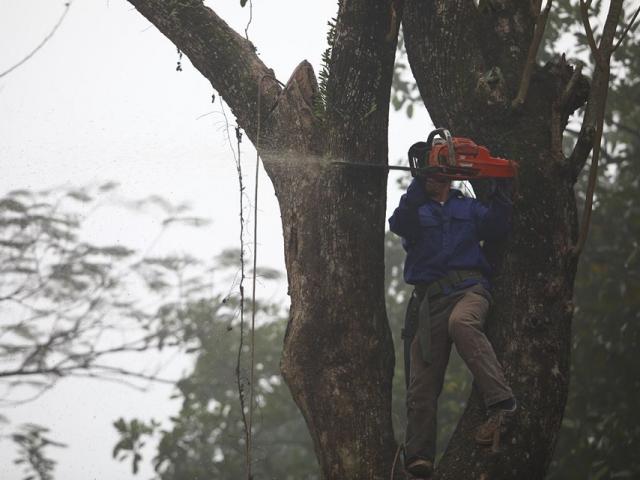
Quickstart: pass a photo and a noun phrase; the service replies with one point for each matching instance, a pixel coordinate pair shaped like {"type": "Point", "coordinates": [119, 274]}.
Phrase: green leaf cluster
{"type": "Point", "coordinates": [206, 438]}
{"type": "Point", "coordinates": [320, 101]}
{"type": "Point", "coordinates": [32, 440]}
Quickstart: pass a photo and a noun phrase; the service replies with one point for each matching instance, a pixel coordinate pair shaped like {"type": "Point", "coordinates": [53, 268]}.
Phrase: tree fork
{"type": "Point", "coordinates": [338, 355]}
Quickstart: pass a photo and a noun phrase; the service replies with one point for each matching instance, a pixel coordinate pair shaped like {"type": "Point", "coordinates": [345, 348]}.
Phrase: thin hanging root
{"type": "Point", "coordinates": [253, 287]}
{"type": "Point", "coordinates": [395, 460]}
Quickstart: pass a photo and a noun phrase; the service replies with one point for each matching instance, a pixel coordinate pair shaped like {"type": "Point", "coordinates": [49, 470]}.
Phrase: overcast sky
{"type": "Point", "coordinates": [102, 101]}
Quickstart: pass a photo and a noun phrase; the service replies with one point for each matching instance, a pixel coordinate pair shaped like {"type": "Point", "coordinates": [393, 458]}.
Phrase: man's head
{"type": "Point", "coordinates": [437, 188]}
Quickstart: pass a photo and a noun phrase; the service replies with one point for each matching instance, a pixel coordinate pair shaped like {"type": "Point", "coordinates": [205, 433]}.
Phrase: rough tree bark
{"type": "Point", "coordinates": [338, 356]}
{"type": "Point", "coordinates": [468, 65]}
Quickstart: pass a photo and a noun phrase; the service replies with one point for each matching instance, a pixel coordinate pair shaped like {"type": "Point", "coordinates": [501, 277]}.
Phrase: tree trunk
{"type": "Point", "coordinates": [338, 355]}
{"type": "Point", "coordinates": [470, 91]}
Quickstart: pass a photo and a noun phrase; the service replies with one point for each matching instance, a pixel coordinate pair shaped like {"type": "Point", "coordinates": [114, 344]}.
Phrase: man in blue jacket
{"type": "Point", "coordinates": [441, 232]}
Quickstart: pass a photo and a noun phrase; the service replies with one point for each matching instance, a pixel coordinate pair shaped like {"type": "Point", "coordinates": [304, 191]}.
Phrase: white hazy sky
{"type": "Point", "coordinates": [102, 101]}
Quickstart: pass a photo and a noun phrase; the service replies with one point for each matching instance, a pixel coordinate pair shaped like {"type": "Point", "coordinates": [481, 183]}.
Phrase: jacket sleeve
{"type": "Point", "coordinates": [404, 221]}
{"type": "Point", "coordinates": [493, 219]}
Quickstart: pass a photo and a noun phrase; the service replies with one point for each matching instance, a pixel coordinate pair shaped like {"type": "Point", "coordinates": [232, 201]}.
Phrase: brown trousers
{"type": "Point", "coordinates": [456, 318]}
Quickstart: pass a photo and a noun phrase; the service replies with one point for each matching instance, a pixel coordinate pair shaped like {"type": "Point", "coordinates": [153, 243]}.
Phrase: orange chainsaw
{"type": "Point", "coordinates": [457, 158]}
{"type": "Point", "coordinates": [453, 158]}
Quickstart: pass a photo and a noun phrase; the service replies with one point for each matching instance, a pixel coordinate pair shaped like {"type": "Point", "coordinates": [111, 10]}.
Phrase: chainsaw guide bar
{"type": "Point", "coordinates": [451, 158]}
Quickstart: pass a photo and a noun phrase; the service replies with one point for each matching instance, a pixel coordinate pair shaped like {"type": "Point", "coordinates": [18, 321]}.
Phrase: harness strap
{"type": "Point", "coordinates": [430, 290]}
{"type": "Point", "coordinates": [446, 283]}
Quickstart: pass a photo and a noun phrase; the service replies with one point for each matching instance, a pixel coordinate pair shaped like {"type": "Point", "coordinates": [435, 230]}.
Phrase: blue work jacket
{"type": "Point", "coordinates": [440, 238]}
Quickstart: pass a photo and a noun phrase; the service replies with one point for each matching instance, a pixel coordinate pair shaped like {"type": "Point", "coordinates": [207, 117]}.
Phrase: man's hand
{"type": "Point", "coordinates": [416, 194]}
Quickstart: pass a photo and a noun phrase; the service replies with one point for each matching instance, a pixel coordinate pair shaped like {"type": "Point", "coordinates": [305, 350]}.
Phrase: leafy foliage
{"type": "Point", "coordinates": [68, 298]}
{"type": "Point", "coordinates": [32, 441]}
{"type": "Point", "coordinates": [131, 442]}
{"type": "Point", "coordinates": [206, 438]}
{"type": "Point", "coordinates": [71, 305]}
{"type": "Point", "coordinates": [320, 102]}
{"type": "Point", "coordinates": [600, 434]}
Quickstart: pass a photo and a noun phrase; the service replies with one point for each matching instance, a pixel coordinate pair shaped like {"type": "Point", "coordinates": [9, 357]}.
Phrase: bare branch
{"type": "Point", "coordinates": [129, 373]}
{"type": "Point", "coordinates": [599, 85]}
{"type": "Point", "coordinates": [626, 31]}
{"type": "Point", "coordinates": [584, 11]}
{"type": "Point", "coordinates": [533, 53]}
{"type": "Point", "coordinates": [582, 148]}
{"type": "Point", "coordinates": [42, 43]}
{"type": "Point", "coordinates": [35, 396]}
{"type": "Point", "coordinates": [120, 381]}
{"type": "Point", "coordinates": [65, 296]}
{"type": "Point", "coordinates": [74, 370]}
{"type": "Point", "coordinates": [223, 56]}
{"type": "Point", "coordinates": [625, 128]}
{"type": "Point", "coordinates": [594, 115]}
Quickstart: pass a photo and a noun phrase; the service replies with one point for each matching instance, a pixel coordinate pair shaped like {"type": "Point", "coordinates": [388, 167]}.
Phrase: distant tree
{"type": "Point", "coordinates": [70, 307]}
{"type": "Point", "coordinates": [75, 303]}
{"type": "Point", "coordinates": [601, 429]}
{"type": "Point", "coordinates": [32, 442]}
{"type": "Point", "coordinates": [600, 437]}
{"type": "Point", "coordinates": [206, 438]}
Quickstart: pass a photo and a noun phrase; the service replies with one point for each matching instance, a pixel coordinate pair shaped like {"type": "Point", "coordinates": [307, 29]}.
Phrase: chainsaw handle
{"type": "Point", "coordinates": [418, 153]}
{"type": "Point", "coordinates": [446, 135]}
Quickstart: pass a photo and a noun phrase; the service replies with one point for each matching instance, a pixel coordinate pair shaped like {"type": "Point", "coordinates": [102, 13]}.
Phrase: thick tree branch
{"type": "Point", "coordinates": [599, 85]}
{"type": "Point", "coordinates": [567, 102]}
{"type": "Point", "coordinates": [597, 104]}
{"type": "Point", "coordinates": [223, 56]}
{"type": "Point", "coordinates": [582, 148]}
{"type": "Point", "coordinates": [360, 74]}
{"type": "Point", "coordinates": [570, 88]}
{"type": "Point", "coordinates": [584, 12]}
{"type": "Point", "coordinates": [541, 23]}
{"type": "Point", "coordinates": [333, 228]}
{"type": "Point", "coordinates": [432, 31]}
